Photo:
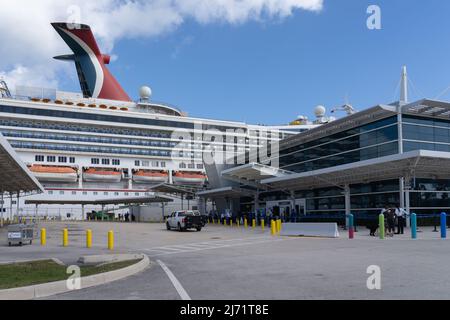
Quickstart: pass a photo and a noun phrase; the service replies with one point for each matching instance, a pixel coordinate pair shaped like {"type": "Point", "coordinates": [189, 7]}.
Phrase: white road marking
{"type": "Point", "coordinates": [194, 247]}
{"type": "Point", "coordinates": [183, 294]}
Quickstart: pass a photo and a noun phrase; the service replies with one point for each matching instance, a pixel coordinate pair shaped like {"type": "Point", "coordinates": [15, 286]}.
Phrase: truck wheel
{"type": "Point", "coordinates": [9, 244]}
{"type": "Point", "coordinates": [167, 226]}
{"type": "Point", "coordinates": [199, 229]}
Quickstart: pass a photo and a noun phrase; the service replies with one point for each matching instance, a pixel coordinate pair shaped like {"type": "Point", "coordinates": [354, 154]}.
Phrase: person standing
{"type": "Point", "coordinates": [401, 219]}
{"type": "Point", "coordinates": [390, 219]}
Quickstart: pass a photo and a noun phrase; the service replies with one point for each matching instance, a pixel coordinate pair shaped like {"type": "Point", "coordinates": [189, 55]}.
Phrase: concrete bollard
{"type": "Point", "coordinates": [262, 225]}
{"type": "Point", "coordinates": [413, 226]}
{"type": "Point", "coordinates": [43, 237]}
{"type": "Point", "coordinates": [443, 225]}
{"type": "Point", "coordinates": [381, 226]}
{"type": "Point", "coordinates": [110, 240]}
{"type": "Point", "coordinates": [65, 237]}
{"type": "Point", "coordinates": [88, 238]}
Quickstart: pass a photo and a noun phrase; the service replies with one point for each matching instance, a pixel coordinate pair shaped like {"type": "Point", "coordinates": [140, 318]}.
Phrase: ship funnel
{"type": "Point", "coordinates": [96, 80]}
{"type": "Point", "coordinates": [404, 87]}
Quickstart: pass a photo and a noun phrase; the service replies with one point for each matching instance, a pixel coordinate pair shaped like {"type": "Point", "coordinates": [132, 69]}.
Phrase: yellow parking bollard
{"type": "Point", "coordinates": [254, 223]}
{"type": "Point", "coordinates": [238, 222]}
{"type": "Point", "coordinates": [273, 228]}
{"type": "Point", "coordinates": [88, 238]}
{"type": "Point", "coordinates": [245, 223]}
{"type": "Point", "coordinates": [231, 223]}
{"type": "Point", "coordinates": [43, 237]}
{"type": "Point", "coordinates": [262, 225]}
{"type": "Point", "coordinates": [278, 226]}
{"type": "Point", "coordinates": [111, 240]}
{"type": "Point", "coordinates": [65, 237]}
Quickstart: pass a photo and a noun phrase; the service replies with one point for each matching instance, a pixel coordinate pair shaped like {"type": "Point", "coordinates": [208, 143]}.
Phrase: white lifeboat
{"type": "Point", "coordinates": [150, 176]}
{"type": "Point", "coordinates": [185, 177]}
{"type": "Point", "coordinates": [54, 173]}
{"type": "Point", "coordinates": [102, 175]}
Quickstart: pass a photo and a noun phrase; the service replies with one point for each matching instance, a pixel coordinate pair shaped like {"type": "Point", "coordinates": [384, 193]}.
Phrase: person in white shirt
{"type": "Point", "coordinates": [401, 219]}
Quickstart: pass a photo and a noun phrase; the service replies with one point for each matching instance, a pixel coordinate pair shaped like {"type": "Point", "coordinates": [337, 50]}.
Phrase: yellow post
{"type": "Point", "coordinates": [43, 237]}
{"type": "Point", "coordinates": [110, 240]}
{"type": "Point", "coordinates": [245, 223]}
{"type": "Point", "coordinates": [254, 223]}
{"type": "Point", "coordinates": [238, 222]}
{"type": "Point", "coordinates": [65, 237]}
{"type": "Point", "coordinates": [231, 223]}
{"type": "Point", "coordinates": [273, 229]}
{"type": "Point", "coordinates": [278, 226]}
{"type": "Point", "coordinates": [262, 225]}
{"type": "Point", "coordinates": [1, 222]}
{"type": "Point", "coordinates": [88, 238]}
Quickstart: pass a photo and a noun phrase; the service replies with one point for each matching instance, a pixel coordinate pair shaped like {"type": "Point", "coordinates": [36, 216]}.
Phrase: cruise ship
{"type": "Point", "coordinates": [99, 143]}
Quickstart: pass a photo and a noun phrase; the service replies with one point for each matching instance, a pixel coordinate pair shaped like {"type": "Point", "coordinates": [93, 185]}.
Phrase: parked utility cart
{"type": "Point", "coordinates": [183, 220]}
{"type": "Point", "coordinates": [19, 234]}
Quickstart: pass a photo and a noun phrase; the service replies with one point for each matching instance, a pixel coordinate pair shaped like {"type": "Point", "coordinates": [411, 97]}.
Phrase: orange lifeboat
{"type": "Point", "coordinates": [101, 175]}
{"type": "Point", "coordinates": [54, 173]}
{"type": "Point", "coordinates": [184, 177]}
{"type": "Point", "coordinates": [149, 176]}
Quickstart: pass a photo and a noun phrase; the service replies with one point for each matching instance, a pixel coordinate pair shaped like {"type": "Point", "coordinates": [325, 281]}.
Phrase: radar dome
{"type": "Point", "coordinates": [145, 93]}
{"type": "Point", "coordinates": [320, 111]}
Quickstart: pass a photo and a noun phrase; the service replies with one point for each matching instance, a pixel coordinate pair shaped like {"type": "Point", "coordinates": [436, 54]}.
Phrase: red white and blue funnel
{"type": "Point", "coordinates": [95, 79]}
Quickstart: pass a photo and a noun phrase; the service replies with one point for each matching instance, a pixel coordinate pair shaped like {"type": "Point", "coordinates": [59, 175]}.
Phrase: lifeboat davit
{"type": "Point", "coordinates": [150, 176]}
{"type": "Point", "coordinates": [54, 173]}
{"type": "Point", "coordinates": [184, 177]}
{"type": "Point", "coordinates": [102, 175]}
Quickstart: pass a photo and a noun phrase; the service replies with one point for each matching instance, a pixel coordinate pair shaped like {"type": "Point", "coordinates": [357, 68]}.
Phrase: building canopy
{"type": "Point", "coordinates": [15, 177]}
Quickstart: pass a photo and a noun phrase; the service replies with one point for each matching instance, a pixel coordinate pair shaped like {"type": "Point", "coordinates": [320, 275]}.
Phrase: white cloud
{"type": "Point", "coordinates": [29, 40]}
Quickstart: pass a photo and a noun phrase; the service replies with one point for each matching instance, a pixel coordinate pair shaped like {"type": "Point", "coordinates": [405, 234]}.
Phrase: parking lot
{"type": "Point", "coordinates": [234, 263]}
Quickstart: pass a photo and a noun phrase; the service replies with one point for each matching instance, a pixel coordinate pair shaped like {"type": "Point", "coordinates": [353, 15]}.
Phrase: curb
{"type": "Point", "coordinates": [58, 287]}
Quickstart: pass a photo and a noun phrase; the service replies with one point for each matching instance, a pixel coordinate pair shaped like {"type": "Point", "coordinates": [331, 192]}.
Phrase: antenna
{"type": "Point", "coordinates": [404, 86]}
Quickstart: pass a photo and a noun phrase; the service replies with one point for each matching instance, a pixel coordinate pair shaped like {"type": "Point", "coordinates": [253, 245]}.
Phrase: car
{"type": "Point", "coordinates": [184, 220]}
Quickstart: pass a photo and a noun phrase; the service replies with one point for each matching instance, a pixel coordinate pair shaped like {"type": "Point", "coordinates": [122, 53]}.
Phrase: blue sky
{"type": "Point", "coordinates": [270, 72]}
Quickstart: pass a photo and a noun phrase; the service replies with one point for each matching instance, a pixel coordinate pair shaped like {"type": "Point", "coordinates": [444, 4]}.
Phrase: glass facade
{"type": "Point", "coordinates": [421, 133]}
{"type": "Point", "coordinates": [373, 140]}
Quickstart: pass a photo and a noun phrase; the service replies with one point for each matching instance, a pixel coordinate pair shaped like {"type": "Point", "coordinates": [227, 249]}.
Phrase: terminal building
{"type": "Point", "coordinates": [396, 154]}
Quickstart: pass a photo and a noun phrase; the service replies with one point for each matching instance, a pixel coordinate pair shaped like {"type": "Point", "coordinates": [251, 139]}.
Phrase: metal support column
{"type": "Point", "coordinates": [402, 192]}
{"type": "Point", "coordinates": [18, 204]}
{"type": "Point", "coordinates": [83, 215]}
{"type": "Point", "coordinates": [10, 215]}
{"type": "Point", "coordinates": [256, 202]}
{"type": "Point", "coordinates": [1, 209]}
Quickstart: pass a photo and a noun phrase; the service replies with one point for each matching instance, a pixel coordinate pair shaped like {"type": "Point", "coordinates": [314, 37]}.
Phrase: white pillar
{"type": "Point", "coordinates": [80, 179]}
{"type": "Point", "coordinates": [402, 192]}
{"type": "Point", "coordinates": [170, 177]}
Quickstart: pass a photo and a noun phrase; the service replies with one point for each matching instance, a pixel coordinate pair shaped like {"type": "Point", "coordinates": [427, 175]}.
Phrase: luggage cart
{"type": "Point", "coordinates": [19, 234]}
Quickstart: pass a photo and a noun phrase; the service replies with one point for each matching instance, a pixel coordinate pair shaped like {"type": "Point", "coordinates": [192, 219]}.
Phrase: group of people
{"type": "Point", "coordinates": [126, 217]}
{"type": "Point", "coordinates": [394, 217]}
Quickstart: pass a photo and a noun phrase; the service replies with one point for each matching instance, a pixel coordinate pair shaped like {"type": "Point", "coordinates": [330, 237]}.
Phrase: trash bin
{"type": "Point", "coordinates": [19, 234]}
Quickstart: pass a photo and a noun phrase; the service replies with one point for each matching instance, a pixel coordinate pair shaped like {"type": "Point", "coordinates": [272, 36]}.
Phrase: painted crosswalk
{"type": "Point", "coordinates": [207, 245]}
